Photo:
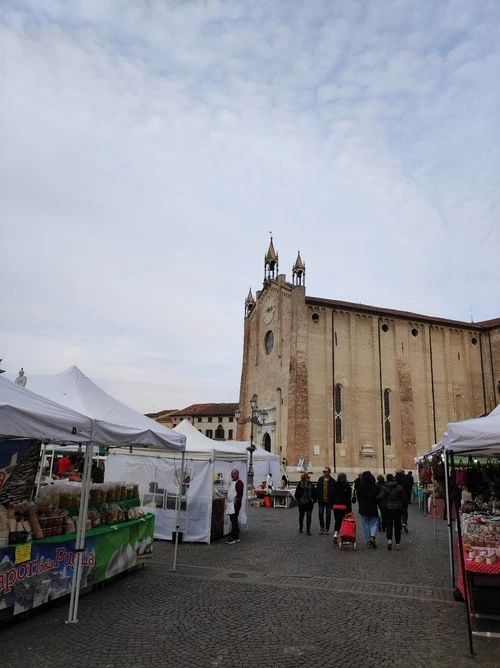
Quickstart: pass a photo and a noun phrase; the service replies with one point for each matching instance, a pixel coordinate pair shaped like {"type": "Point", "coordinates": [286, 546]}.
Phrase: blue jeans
{"type": "Point", "coordinates": [370, 526]}
{"type": "Point", "coordinates": [322, 506]}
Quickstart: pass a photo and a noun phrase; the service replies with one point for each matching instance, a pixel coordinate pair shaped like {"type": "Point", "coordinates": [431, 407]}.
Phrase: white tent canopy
{"type": "Point", "coordinates": [115, 423]}
{"type": "Point", "coordinates": [24, 414]}
{"type": "Point", "coordinates": [264, 462]}
{"type": "Point", "coordinates": [207, 467]}
{"type": "Point", "coordinates": [478, 435]}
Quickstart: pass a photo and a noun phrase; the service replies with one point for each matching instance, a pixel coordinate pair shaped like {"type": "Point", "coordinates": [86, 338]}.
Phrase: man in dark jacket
{"type": "Point", "coordinates": [396, 502]}
{"type": "Point", "coordinates": [402, 480]}
{"type": "Point", "coordinates": [325, 493]}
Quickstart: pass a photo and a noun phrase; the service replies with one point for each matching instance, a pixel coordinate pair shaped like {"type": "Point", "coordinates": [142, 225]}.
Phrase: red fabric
{"type": "Point", "coordinates": [63, 465]}
{"type": "Point", "coordinates": [339, 506]}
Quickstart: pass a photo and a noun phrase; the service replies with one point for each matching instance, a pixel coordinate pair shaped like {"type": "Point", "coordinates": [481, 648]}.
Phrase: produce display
{"type": "Point", "coordinates": [55, 511]}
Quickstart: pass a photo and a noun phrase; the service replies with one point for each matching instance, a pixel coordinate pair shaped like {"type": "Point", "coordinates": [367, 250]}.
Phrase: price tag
{"type": "Point", "coordinates": [23, 553]}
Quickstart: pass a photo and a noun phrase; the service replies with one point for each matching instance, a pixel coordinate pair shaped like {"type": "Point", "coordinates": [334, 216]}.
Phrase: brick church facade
{"type": "Point", "coordinates": [358, 387]}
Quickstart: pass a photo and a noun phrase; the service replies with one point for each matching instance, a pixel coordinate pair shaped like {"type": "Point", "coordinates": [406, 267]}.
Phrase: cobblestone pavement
{"type": "Point", "coordinates": [278, 598]}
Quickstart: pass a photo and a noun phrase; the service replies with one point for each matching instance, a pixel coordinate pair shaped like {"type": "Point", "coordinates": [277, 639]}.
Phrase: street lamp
{"type": "Point", "coordinates": [259, 418]}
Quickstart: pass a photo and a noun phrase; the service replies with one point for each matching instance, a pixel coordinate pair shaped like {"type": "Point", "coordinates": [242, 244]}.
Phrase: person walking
{"type": "Point", "coordinates": [396, 502]}
{"type": "Point", "coordinates": [305, 495]}
{"type": "Point", "coordinates": [325, 490]}
{"type": "Point", "coordinates": [367, 494]}
{"type": "Point", "coordinates": [342, 503]}
{"type": "Point", "coordinates": [401, 479]}
{"type": "Point", "coordinates": [233, 506]}
{"type": "Point", "coordinates": [382, 523]}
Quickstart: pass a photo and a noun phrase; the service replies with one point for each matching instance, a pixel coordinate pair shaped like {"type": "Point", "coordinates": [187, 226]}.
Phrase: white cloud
{"type": "Point", "coordinates": [149, 149]}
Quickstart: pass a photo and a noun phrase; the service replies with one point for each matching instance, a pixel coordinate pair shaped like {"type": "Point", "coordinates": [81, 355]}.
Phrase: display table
{"type": "Point", "coordinates": [35, 573]}
{"type": "Point", "coordinates": [483, 583]}
{"type": "Point", "coordinates": [423, 498]}
{"type": "Point", "coordinates": [282, 498]}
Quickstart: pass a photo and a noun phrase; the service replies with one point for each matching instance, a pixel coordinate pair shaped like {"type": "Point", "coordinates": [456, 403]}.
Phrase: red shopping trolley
{"type": "Point", "coordinates": [347, 534]}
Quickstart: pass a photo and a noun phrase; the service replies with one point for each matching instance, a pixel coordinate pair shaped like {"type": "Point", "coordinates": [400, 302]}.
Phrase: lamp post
{"type": "Point", "coordinates": [257, 417]}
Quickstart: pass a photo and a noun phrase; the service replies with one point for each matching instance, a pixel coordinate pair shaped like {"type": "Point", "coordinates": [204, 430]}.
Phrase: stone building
{"type": "Point", "coordinates": [215, 421]}
{"type": "Point", "coordinates": [357, 386]}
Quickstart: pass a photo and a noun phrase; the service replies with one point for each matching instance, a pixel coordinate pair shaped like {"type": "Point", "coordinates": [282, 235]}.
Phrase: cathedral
{"type": "Point", "coordinates": [356, 387]}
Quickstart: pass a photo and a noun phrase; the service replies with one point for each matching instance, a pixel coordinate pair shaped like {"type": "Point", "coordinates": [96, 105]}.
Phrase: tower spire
{"type": "Point", "coordinates": [299, 271]}
{"type": "Point", "coordinates": [271, 262]}
{"type": "Point", "coordinates": [249, 303]}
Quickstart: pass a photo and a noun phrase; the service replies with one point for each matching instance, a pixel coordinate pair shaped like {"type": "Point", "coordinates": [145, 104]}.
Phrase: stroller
{"type": "Point", "coordinates": [347, 533]}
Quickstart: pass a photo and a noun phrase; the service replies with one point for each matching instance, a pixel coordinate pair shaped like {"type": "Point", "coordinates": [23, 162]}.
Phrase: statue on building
{"type": "Point", "coordinates": [21, 379]}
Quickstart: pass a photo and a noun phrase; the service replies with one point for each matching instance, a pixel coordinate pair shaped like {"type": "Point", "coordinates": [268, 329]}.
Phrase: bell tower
{"type": "Point", "coordinates": [271, 263]}
{"type": "Point", "coordinates": [249, 303]}
{"type": "Point", "coordinates": [299, 272]}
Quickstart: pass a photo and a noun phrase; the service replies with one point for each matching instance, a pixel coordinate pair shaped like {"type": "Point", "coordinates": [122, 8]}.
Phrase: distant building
{"type": "Point", "coordinates": [215, 421]}
{"type": "Point", "coordinates": [163, 417]}
{"type": "Point", "coordinates": [355, 386]}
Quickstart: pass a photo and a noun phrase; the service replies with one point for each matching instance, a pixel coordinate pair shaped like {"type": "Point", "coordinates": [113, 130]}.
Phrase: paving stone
{"type": "Point", "coordinates": [276, 598]}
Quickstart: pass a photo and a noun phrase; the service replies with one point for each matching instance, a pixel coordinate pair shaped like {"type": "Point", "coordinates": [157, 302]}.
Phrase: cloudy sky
{"type": "Point", "coordinates": [149, 147]}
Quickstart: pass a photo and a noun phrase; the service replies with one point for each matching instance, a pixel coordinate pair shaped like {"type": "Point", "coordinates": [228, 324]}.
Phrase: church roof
{"type": "Point", "coordinates": [388, 312]}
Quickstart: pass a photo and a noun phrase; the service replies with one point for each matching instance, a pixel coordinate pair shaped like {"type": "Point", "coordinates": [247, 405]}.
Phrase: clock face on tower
{"type": "Point", "coordinates": [269, 308]}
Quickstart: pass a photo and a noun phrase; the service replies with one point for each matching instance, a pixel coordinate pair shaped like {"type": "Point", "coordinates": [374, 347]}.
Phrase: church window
{"type": "Point", "coordinates": [387, 416]}
{"type": "Point", "coordinates": [414, 332]}
{"type": "Point", "coordinates": [219, 433]}
{"type": "Point", "coordinates": [385, 328]}
{"type": "Point", "coordinates": [315, 317]}
{"type": "Point", "coordinates": [473, 341]}
{"type": "Point", "coordinates": [338, 413]}
{"type": "Point", "coordinates": [269, 342]}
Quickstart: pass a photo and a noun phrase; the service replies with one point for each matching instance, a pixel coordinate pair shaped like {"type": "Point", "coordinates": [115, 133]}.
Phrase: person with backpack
{"type": "Point", "coordinates": [396, 502]}
{"type": "Point", "coordinates": [305, 495]}
{"type": "Point", "coordinates": [401, 479]}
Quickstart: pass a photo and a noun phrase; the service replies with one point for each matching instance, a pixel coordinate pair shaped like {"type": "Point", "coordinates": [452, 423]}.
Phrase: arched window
{"type": "Point", "coordinates": [338, 413]}
{"type": "Point", "coordinates": [387, 416]}
{"type": "Point", "coordinates": [219, 433]}
{"type": "Point", "coordinates": [266, 442]}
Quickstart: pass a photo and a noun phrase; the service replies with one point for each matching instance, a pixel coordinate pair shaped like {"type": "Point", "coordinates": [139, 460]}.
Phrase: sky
{"type": "Point", "coordinates": [150, 147]}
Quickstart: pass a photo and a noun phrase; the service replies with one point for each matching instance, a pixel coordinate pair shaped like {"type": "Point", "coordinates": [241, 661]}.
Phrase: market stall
{"type": "Point", "coordinates": [102, 421]}
{"type": "Point", "coordinates": [470, 457]}
{"type": "Point", "coordinates": [203, 481]}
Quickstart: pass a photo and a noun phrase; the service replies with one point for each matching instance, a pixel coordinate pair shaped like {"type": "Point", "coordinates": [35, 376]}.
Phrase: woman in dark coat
{"type": "Point", "coordinates": [305, 495]}
{"type": "Point", "coordinates": [396, 502]}
{"type": "Point", "coordinates": [342, 502]}
{"type": "Point", "coordinates": [367, 494]}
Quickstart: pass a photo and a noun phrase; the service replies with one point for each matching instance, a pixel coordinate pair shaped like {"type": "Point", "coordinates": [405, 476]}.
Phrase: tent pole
{"type": "Point", "coordinates": [449, 520]}
{"type": "Point", "coordinates": [80, 532]}
{"type": "Point", "coordinates": [434, 502]}
{"type": "Point", "coordinates": [40, 472]}
{"type": "Point", "coordinates": [178, 509]}
{"type": "Point", "coordinates": [465, 579]}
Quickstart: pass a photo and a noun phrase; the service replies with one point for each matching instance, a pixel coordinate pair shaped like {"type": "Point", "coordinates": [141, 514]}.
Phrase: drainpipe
{"type": "Point", "coordinates": [482, 372]}
{"type": "Point", "coordinates": [333, 397]}
{"type": "Point", "coordinates": [381, 394]}
{"type": "Point", "coordinates": [492, 372]}
{"type": "Point", "coordinates": [432, 385]}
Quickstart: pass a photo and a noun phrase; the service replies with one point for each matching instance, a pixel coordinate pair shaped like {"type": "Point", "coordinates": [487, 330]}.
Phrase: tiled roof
{"type": "Point", "coordinates": [490, 323]}
{"type": "Point", "coordinates": [155, 416]}
{"type": "Point", "coordinates": [207, 409]}
{"type": "Point", "coordinates": [377, 310]}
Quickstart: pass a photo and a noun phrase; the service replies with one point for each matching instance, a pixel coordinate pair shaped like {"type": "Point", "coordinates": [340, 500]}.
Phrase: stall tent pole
{"type": "Point", "coordinates": [449, 520]}
{"type": "Point", "coordinates": [465, 579]}
{"type": "Point", "coordinates": [40, 471]}
{"type": "Point", "coordinates": [178, 509]}
{"type": "Point", "coordinates": [80, 532]}
{"type": "Point", "coordinates": [434, 501]}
